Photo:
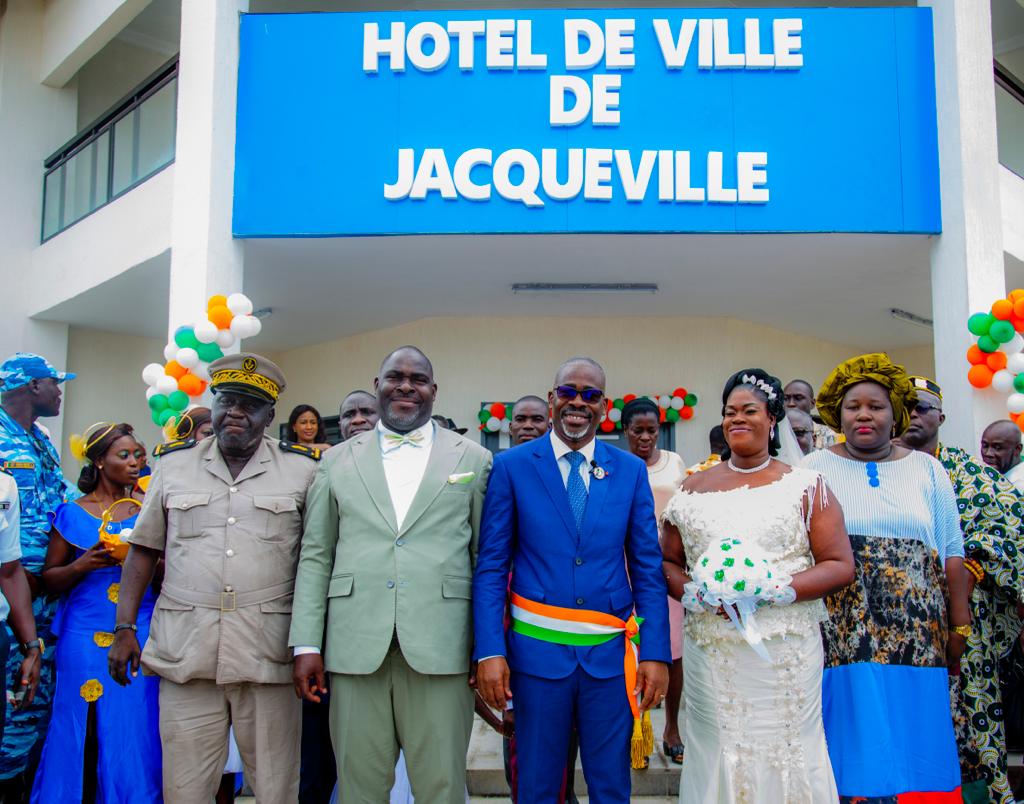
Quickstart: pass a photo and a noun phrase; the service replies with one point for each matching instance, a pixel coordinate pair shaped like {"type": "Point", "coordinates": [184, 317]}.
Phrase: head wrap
{"type": "Point", "coordinates": [876, 368]}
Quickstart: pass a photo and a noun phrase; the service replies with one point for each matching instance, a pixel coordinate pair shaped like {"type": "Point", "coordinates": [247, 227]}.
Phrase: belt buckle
{"type": "Point", "coordinates": [227, 601]}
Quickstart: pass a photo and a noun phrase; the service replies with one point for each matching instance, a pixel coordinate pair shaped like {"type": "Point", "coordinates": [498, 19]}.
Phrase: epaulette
{"type": "Point", "coordinates": [173, 446]}
{"type": "Point", "coordinates": [301, 449]}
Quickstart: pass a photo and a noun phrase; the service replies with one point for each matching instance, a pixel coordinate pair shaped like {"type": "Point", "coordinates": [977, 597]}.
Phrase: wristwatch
{"type": "Point", "coordinates": [126, 627]}
{"type": "Point", "coordinates": [963, 630]}
{"type": "Point", "coordinates": [25, 647]}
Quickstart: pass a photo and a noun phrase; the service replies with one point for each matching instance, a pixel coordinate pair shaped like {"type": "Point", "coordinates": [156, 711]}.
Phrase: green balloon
{"type": "Point", "coordinates": [185, 338]}
{"type": "Point", "coordinates": [1018, 383]}
{"type": "Point", "coordinates": [671, 415]}
{"type": "Point", "coordinates": [987, 343]}
{"type": "Point", "coordinates": [166, 416]}
{"type": "Point", "coordinates": [177, 401]}
{"type": "Point", "coordinates": [208, 352]}
{"type": "Point", "coordinates": [155, 416]}
{"type": "Point", "coordinates": [483, 415]}
{"type": "Point", "coordinates": [619, 403]}
{"type": "Point", "coordinates": [690, 400]}
{"type": "Point", "coordinates": [1001, 331]}
{"type": "Point", "coordinates": [979, 323]}
{"type": "Point", "coordinates": [158, 403]}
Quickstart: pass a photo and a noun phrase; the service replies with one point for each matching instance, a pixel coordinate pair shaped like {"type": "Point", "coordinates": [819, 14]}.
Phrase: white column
{"type": "Point", "coordinates": [204, 257]}
{"type": "Point", "coordinates": [967, 258]}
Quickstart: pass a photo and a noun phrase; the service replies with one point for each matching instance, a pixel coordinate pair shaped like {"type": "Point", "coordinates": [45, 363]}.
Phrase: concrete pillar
{"type": "Point", "coordinates": [204, 257]}
{"type": "Point", "coordinates": [967, 258]}
{"type": "Point", "coordinates": [52, 121]}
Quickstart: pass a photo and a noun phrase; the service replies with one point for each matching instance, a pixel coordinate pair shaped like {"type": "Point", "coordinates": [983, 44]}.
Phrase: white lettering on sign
{"type": "Point", "coordinates": [517, 175]}
{"type": "Point", "coordinates": [597, 174]}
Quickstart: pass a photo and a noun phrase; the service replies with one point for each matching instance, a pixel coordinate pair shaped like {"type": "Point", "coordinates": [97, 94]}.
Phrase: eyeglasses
{"type": "Point", "coordinates": [570, 392]}
{"type": "Point", "coordinates": [922, 408]}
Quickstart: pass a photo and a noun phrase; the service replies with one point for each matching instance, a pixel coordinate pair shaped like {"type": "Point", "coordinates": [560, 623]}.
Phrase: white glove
{"type": "Point", "coordinates": [780, 596]}
{"type": "Point", "coordinates": [693, 599]}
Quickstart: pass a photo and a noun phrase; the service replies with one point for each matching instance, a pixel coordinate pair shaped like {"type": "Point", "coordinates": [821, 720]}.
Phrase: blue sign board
{"type": "Point", "coordinates": [624, 120]}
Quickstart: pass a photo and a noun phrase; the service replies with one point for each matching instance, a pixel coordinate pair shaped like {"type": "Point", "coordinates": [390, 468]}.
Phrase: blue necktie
{"type": "Point", "coordinates": [577, 489]}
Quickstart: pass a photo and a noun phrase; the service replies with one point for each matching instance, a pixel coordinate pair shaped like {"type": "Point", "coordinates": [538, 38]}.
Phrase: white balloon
{"type": "Point", "coordinates": [151, 373]}
{"type": "Point", "coordinates": [1015, 363]}
{"type": "Point", "coordinates": [664, 401]}
{"type": "Point", "coordinates": [239, 304]}
{"type": "Point", "coordinates": [1015, 403]}
{"type": "Point", "coordinates": [255, 326]}
{"type": "Point", "coordinates": [614, 414]}
{"type": "Point", "coordinates": [1012, 346]}
{"type": "Point", "coordinates": [166, 385]}
{"type": "Point", "coordinates": [151, 392]}
{"type": "Point", "coordinates": [677, 402]}
{"type": "Point", "coordinates": [206, 331]}
{"type": "Point", "coordinates": [170, 351]}
{"type": "Point", "coordinates": [225, 338]}
{"type": "Point", "coordinates": [493, 424]}
{"type": "Point", "coordinates": [202, 371]}
{"type": "Point", "coordinates": [188, 357]}
{"type": "Point", "coordinates": [505, 424]}
{"type": "Point", "coordinates": [239, 327]}
{"type": "Point", "coordinates": [1002, 381]}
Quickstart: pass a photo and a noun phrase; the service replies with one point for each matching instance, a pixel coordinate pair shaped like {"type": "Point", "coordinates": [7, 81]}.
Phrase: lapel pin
{"type": "Point", "coordinates": [598, 472]}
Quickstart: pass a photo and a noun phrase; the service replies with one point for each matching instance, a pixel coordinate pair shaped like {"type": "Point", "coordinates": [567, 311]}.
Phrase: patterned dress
{"type": "Point", "coordinates": [753, 729]}
{"type": "Point", "coordinates": [886, 688]}
{"type": "Point", "coordinates": [990, 517]}
{"type": "Point", "coordinates": [32, 459]}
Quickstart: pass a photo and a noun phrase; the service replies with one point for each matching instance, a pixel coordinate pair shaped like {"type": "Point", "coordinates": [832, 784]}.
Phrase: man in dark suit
{"type": "Point", "coordinates": [575, 520]}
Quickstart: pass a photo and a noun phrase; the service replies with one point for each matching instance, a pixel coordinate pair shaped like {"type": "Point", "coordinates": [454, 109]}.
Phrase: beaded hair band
{"type": "Point", "coordinates": [81, 444]}
{"type": "Point", "coordinates": [757, 382]}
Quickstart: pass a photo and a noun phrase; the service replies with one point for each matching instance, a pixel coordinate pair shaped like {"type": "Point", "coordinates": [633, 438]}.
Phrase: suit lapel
{"type": "Point", "coordinates": [366, 453]}
{"type": "Point", "coordinates": [551, 479]}
{"type": "Point", "coordinates": [605, 458]}
{"type": "Point", "coordinates": [445, 455]}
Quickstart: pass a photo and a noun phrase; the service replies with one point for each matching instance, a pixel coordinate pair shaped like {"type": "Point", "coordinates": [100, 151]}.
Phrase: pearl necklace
{"type": "Point", "coordinates": [752, 469]}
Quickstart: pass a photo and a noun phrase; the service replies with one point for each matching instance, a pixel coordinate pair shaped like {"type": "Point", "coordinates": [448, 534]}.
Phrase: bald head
{"type": "Point", "coordinates": [574, 363]}
{"type": "Point", "coordinates": [1000, 445]}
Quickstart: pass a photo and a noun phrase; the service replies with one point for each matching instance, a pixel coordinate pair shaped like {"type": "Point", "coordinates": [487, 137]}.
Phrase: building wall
{"type": "Point", "coordinates": [110, 75]}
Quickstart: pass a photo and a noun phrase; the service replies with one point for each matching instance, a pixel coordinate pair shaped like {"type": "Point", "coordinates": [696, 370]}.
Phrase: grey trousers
{"type": "Point", "coordinates": [429, 716]}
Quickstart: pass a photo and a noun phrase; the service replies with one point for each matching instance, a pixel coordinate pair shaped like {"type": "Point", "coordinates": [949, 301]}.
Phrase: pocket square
{"type": "Point", "coordinates": [461, 478]}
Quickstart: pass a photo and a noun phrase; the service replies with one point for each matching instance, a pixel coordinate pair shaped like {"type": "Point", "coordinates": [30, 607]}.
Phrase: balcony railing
{"type": "Point", "coordinates": [123, 148]}
{"type": "Point", "coordinates": [1010, 120]}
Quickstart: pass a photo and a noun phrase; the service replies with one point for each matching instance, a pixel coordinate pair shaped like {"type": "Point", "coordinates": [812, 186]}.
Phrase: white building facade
{"type": "Point", "coordinates": [118, 127]}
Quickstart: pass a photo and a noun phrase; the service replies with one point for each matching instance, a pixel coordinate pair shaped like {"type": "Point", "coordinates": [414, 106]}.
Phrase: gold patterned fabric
{"type": "Point", "coordinates": [91, 690]}
{"type": "Point", "coordinates": [113, 592]}
{"type": "Point", "coordinates": [875, 368]}
{"type": "Point", "coordinates": [103, 639]}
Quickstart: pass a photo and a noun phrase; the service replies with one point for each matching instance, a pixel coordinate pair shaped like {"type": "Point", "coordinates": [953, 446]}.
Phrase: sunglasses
{"type": "Point", "coordinates": [570, 392]}
{"type": "Point", "coordinates": [923, 408]}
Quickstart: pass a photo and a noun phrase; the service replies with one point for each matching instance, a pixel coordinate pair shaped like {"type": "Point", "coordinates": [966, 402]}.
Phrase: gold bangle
{"type": "Point", "coordinates": [975, 569]}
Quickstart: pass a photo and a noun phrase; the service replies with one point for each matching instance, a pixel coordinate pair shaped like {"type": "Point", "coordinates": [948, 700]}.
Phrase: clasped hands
{"type": "Point", "coordinates": [492, 682]}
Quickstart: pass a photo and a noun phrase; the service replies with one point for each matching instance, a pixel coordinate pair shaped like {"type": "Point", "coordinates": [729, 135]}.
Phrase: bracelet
{"type": "Point", "coordinates": [126, 627]}
{"type": "Point", "coordinates": [975, 568]}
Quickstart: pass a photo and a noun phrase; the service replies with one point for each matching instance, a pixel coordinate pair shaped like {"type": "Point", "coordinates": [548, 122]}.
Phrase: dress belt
{"type": "Point", "coordinates": [228, 600]}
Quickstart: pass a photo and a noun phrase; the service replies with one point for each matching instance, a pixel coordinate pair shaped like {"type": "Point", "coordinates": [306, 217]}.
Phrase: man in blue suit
{"type": "Point", "coordinates": [574, 521]}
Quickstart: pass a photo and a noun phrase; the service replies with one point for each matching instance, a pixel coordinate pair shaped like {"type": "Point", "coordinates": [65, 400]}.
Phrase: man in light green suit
{"type": "Point", "coordinates": [382, 597]}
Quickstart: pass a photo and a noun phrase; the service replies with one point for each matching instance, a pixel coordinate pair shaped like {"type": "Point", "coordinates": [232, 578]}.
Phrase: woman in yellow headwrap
{"type": "Point", "coordinates": [892, 633]}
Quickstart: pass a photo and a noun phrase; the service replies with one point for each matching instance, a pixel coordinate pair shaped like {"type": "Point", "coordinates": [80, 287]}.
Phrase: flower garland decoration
{"type": "Point", "coordinates": [996, 358]}
{"type": "Point", "coordinates": [176, 384]}
{"type": "Point", "coordinates": [495, 417]}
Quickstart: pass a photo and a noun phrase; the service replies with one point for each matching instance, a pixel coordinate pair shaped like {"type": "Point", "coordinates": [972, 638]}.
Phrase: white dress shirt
{"type": "Point", "coordinates": [404, 467]}
{"type": "Point", "coordinates": [562, 450]}
{"type": "Point", "coordinates": [1016, 476]}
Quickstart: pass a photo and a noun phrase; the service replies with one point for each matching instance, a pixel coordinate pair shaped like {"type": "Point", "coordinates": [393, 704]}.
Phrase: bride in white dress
{"type": "Point", "coordinates": [753, 728]}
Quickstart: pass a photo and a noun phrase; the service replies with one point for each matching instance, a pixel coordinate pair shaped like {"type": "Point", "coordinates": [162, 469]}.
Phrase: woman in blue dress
{"type": "Point", "coordinates": [103, 745]}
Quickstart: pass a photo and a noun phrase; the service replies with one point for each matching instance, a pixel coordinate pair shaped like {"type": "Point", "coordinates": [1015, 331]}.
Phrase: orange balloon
{"type": "Point", "coordinates": [1018, 307]}
{"type": "Point", "coordinates": [193, 386]}
{"type": "Point", "coordinates": [1002, 309]}
{"type": "Point", "coordinates": [202, 387]}
{"type": "Point", "coordinates": [996, 360]}
{"type": "Point", "coordinates": [175, 369]}
{"type": "Point", "coordinates": [1015, 294]}
{"type": "Point", "coordinates": [217, 301]}
{"type": "Point", "coordinates": [980, 376]}
{"type": "Point", "coordinates": [975, 356]}
{"type": "Point", "coordinates": [221, 316]}
{"type": "Point", "coordinates": [1018, 323]}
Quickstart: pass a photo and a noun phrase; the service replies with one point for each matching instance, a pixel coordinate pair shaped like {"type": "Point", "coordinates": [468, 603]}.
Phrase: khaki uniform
{"type": "Point", "coordinates": [219, 633]}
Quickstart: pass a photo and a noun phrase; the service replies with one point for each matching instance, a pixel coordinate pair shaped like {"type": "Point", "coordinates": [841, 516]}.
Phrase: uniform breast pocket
{"type": "Point", "coordinates": [185, 512]}
{"type": "Point", "coordinates": [278, 517]}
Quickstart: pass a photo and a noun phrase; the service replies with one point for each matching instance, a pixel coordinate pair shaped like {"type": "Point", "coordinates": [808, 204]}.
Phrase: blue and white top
{"type": "Point", "coordinates": [909, 498]}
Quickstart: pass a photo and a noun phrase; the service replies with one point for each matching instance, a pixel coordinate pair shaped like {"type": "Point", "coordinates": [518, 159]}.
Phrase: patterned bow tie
{"type": "Point", "coordinates": [394, 440]}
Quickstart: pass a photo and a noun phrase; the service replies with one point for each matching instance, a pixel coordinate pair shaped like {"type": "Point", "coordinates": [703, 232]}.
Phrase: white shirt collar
{"type": "Point", "coordinates": [561, 448]}
{"type": "Point", "coordinates": [426, 430]}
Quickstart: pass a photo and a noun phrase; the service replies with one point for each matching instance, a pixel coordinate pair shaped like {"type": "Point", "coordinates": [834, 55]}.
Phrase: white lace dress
{"type": "Point", "coordinates": [754, 730]}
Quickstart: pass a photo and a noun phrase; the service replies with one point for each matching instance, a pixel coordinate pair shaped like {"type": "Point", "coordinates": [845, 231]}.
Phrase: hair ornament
{"type": "Point", "coordinates": [90, 437]}
{"type": "Point", "coordinates": [757, 382]}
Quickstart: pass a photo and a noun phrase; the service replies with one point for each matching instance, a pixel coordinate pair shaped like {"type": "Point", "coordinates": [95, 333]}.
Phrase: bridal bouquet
{"type": "Point", "coordinates": [738, 578]}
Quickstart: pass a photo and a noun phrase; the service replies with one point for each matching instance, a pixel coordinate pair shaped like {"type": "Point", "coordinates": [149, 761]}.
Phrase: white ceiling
{"type": "Point", "coordinates": [835, 286]}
